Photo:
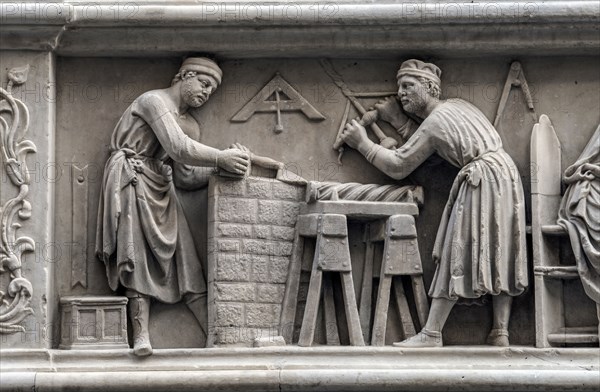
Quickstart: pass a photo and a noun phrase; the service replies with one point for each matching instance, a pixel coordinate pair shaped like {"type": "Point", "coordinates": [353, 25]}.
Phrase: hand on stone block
{"type": "Point", "coordinates": [234, 161]}
{"type": "Point", "coordinates": [265, 162]}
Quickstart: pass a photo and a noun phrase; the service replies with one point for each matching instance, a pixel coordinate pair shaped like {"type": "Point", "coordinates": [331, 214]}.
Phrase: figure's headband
{"type": "Point", "coordinates": [421, 69]}
{"type": "Point", "coordinates": [203, 65]}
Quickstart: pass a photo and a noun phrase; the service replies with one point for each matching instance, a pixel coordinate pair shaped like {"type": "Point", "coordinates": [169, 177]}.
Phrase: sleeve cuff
{"type": "Point", "coordinates": [372, 153]}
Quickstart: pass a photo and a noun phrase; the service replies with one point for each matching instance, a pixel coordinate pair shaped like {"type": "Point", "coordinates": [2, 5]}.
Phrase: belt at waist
{"type": "Point", "coordinates": [151, 167]}
{"type": "Point", "coordinates": [471, 172]}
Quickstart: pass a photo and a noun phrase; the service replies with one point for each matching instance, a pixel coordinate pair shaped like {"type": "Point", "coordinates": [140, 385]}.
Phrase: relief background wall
{"type": "Point", "coordinates": [94, 92]}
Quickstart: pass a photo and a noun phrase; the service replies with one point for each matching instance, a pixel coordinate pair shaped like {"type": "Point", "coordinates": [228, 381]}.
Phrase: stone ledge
{"type": "Point", "coordinates": [77, 13]}
{"type": "Point", "coordinates": [317, 29]}
{"type": "Point", "coordinates": [313, 369]}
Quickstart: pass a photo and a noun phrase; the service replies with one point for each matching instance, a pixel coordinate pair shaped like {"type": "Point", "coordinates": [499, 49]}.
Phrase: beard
{"type": "Point", "coordinates": [191, 98]}
{"type": "Point", "coordinates": [414, 105]}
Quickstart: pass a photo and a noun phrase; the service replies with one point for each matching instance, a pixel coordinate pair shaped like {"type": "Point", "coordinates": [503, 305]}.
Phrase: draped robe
{"type": "Point", "coordinates": [142, 234]}
{"type": "Point", "coordinates": [480, 246]}
{"type": "Point", "coordinates": [579, 213]}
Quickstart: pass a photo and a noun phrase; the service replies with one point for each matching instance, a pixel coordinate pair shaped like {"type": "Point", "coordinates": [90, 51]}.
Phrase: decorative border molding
{"type": "Point", "coordinates": [459, 369]}
{"type": "Point", "coordinates": [302, 28]}
{"type": "Point", "coordinates": [14, 123]}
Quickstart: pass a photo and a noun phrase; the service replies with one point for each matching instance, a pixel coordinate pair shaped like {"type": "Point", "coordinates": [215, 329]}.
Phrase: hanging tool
{"type": "Point", "coordinates": [278, 126]}
{"type": "Point", "coordinates": [339, 143]}
{"type": "Point", "coordinates": [516, 78]}
{"type": "Point", "coordinates": [368, 119]}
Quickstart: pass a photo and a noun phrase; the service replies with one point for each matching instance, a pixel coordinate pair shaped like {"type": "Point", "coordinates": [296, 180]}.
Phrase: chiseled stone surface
{"type": "Point", "coordinates": [378, 28]}
{"type": "Point", "coordinates": [89, 61]}
{"type": "Point", "coordinates": [253, 231]}
{"type": "Point", "coordinates": [471, 369]}
{"type": "Point", "coordinates": [29, 248]}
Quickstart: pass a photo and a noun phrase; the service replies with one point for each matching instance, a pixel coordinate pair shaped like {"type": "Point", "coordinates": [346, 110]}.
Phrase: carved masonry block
{"type": "Point", "coordinates": [93, 323]}
{"type": "Point", "coordinates": [251, 228]}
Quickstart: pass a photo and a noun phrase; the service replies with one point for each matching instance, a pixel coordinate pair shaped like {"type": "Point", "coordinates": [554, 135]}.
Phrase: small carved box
{"type": "Point", "coordinates": [92, 323]}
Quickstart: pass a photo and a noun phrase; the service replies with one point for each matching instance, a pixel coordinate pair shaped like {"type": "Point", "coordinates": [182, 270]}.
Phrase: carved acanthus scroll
{"type": "Point", "coordinates": [14, 122]}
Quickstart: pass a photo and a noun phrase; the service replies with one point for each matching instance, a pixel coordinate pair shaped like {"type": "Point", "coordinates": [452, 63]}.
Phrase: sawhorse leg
{"type": "Point", "coordinates": [309, 322]}
{"type": "Point", "coordinates": [332, 254]}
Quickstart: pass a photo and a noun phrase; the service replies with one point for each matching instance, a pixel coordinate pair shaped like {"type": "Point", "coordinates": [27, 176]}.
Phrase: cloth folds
{"type": "Point", "coordinates": [480, 245]}
{"type": "Point", "coordinates": [579, 214]}
{"type": "Point", "coordinates": [142, 235]}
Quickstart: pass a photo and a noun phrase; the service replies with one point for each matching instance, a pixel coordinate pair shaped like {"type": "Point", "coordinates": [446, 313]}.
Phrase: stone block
{"type": "Point", "coordinates": [247, 335]}
{"type": "Point", "coordinates": [269, 212]}
{"type": "Point", "coordinates": [289, 213]}
{"type": "Point", "coordinates": [262, 315]}
{"type": "Point", "coordinates": [229, 245]}
{"type": "Point", "coordinates": [279, 269]}
{"type": "Point", "coordinates": [285, 191]}
{"type": "Point", "coordinates": [228, 335]}
{"type": "Point", "coordinates": [259, 189]}
{"type": "Point", "coordinates": [232, 187]}
{"type": "Point", "coordinates": [232, 267]}
{"type": "Point", "coordinates": [236, 292]}
{"type": "Point", "coordinates": [91, 322]}
{"type": "Point", "coordinates": [234, 230]}
{"type": "Point", "coordinates": [236, 210]}
{"type": "Point", "coordinates": [269, 248]}
{"type": "Point", "coordinates": [284, 248]}
{"type": "Point", "coordinates": [269, 341]}
{"type": "Point", "coordinates": [229, 315]}
{"type": "Point", "coordinates": [257, 247]}
{"type": "Point", "coordinates": [270, 293]}
{"type": "Point", "coordinates": [262, 232]}
{"type": "Point", "coordinates": [260, 268]}
{"type": "Point", "coordinates": [283, 233]}
{"type": "Point", "coordinates": [264, 334]}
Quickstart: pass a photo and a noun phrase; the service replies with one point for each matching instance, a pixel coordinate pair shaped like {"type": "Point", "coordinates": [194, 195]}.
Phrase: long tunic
{"type": "Point", "coordinates": [580, 214]}
{"type": "Point", "coordinates": [480, 246]}
{"type": "Point", "coordinates": [142, 234]}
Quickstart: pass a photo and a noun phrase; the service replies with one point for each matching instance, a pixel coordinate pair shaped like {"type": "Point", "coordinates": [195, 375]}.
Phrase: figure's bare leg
{"type": "Point", "coordinates": [431, 334]}
{"type": "Point", "coordinates": [438, 314]}
{"type": "Point", "coordinates": [197, 304]}
{"type": "Point", "coordinates": [498, 336]}
{"type": "Point", "coordinates": [139, 314]}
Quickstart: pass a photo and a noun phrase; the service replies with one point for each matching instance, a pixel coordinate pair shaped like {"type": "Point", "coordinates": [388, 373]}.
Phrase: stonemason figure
{"type": "Point", "coordinates": [142, 235]}
{"type": "Point", "coordinates": [480, 244]}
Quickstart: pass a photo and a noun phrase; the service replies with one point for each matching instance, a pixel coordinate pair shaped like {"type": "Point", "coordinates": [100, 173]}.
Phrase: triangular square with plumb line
{"type": "Point", "coordinates": [265, 101]}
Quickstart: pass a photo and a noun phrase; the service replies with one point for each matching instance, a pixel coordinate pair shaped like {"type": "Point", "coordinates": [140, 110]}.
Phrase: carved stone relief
{"type": "Point", "coordinates": [202, 231]}
{"type": "Point", "coordinates": [248, 253]}
{"type": "Point", "coordinates": [79, 262]}
{"type": "Point", "coordinates": [143, 236]}
{"type": "Point", "coordinates": [14, 123]}
{"type": "Point", "coordinates": [369, 118]}
{"type": "Point", "coordinates": [277, 96]}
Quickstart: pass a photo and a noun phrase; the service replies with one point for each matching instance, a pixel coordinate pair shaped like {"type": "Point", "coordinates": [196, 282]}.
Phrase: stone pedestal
{"type": "Point", "coordinates": [93, 323]}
